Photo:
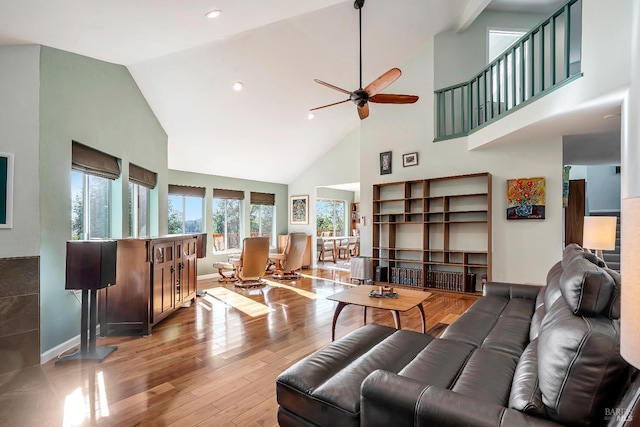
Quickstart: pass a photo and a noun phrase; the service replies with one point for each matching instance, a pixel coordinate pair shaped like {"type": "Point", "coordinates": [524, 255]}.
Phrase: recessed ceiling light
{"type": "Point", "coordinates": [213, 14]}
{"type": "Point", "coordinates": [311, 116]}
{"type": "Point", "coordinates": [237, 86]}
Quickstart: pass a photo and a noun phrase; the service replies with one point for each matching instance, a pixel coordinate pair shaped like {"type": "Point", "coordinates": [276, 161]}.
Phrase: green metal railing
{"type": "Point", "coordinates": [543, 60]}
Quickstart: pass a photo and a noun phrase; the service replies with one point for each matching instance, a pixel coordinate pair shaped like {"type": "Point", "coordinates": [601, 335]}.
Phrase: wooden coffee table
{"type": "Point", "coordinates": [359, 295]}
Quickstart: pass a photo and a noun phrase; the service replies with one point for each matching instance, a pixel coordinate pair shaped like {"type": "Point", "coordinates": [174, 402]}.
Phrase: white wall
{"type": "Point", "coordinates": [19, 134]}
{"type": "Point", "coordinates": [205, 265]}
{"type": "Point", "coordinates": [523, 251]}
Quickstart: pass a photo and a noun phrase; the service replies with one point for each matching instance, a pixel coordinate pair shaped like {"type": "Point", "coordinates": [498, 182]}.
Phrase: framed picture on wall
{"type": "Point", "coordinates": [299, 207]}
{"type": "Point", "coordinates": [409, 159]}
{"type": "Point", "coordinates": [6, 190]}
{"type": "Point", "coordinates": [385, 163]}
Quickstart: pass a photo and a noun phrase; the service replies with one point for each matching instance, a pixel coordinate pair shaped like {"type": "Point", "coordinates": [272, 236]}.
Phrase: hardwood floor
{"type": "Point", "coordinates": [212, 364]}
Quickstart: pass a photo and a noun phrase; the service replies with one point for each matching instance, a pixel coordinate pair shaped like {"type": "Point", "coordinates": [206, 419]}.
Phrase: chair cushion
{"type": "Point", "coordinates": [223, 265]}
{"type": "Point", "coordinates": [525, 393]}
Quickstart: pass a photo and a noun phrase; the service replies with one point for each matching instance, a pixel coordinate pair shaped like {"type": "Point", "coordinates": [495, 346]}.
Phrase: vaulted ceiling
{"type": "Point", "coordinates": [185, 66]}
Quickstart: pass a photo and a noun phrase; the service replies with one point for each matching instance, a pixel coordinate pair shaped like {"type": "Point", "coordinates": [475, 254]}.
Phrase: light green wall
{"type": "Point", "coordinates": [98, 104]}
{"type": "Point", "coordinates": [205, 265]}
{"type": "Point", "coordinates": [19, 115]}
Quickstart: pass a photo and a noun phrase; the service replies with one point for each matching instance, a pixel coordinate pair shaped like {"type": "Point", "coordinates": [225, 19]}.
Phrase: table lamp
{"type": "Point", "coordinates": [599, 233]}
{"type": "Point", "coordinates": [630, 292]}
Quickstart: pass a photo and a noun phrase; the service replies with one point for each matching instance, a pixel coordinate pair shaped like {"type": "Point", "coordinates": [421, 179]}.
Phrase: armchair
{"type": "Point", "coordinates": [252, 263]}
{"type": "Point", "coordinates": [291, 259]}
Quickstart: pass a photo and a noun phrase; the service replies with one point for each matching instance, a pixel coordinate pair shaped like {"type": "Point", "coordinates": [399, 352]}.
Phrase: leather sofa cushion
{"type": "Point", "coordinates": [612, 311]}
{"type": "Point", "coordinates": [552, 290]}
{"type": "Point", "coordinates": [324, 388]}
{"type": "Point", "coordinates": [439, 363]}
{"type": "Point", "coordinates": [586, 288]}
{"type": "Point", "coordinates": [580, 368]}
{"type": "Point", "coordinates": [525, 393]}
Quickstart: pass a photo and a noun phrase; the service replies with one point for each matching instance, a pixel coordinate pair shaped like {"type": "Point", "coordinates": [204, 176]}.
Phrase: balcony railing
{"type": "Point", "coordinates": [544, 59]}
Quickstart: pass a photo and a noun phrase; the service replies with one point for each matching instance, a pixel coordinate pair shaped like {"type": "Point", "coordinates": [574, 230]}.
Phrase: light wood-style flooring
{"type": "Point", "coordinates": [211, 364]}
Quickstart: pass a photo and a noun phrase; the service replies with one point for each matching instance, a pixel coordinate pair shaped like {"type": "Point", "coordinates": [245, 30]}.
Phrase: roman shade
{"type": "Point", "coordinates": [263, 199]}
{"type": "Point", "coordinates": [183, 190]}
{"type": "Point", "coordinates": [93, 162]}
{"type": "Point", "coordinates": [219, 193]}
{"type": "Point", "coordinates": [141, 176]}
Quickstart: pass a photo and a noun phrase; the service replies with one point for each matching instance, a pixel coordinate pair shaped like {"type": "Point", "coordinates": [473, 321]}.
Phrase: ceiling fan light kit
{"type": "Point", "coordinates": [371, 93]}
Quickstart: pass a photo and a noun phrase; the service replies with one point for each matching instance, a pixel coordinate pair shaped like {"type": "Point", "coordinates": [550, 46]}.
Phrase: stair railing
{"type": "Point", "coordinates": [543, 60]}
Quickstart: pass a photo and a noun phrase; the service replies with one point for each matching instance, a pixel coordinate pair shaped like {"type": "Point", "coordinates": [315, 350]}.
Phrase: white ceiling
{"type": "Point", "coordinates": [185, 65]}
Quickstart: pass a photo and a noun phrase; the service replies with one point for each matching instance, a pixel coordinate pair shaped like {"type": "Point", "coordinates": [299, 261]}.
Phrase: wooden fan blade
{"type": "Point", "coordinates": [329, 105]}
{"type": "Point", "coordinates": [380, 84]}
{"type": "Point", "coordinates": [364, 111]}
{"type": "Point", "coordinates": [332, 86]}
{"type": "Point", "coordinates": [387, 98]}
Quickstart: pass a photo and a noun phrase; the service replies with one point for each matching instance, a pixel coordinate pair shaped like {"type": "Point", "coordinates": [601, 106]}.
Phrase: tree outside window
{"type": "Point", "coordinates": [261, 221]}
{"type": "Point", "coordinates": [330, 216]}
{"type": "Point", "coordinates": [226, 224]}
{"type": "Point", "coordinates": [185, 214]}
{"type": "Point", "coordinates": [90, 197]}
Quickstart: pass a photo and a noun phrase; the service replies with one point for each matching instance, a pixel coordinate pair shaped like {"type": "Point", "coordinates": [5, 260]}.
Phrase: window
{"type": "Point", "coordinates": [262, 215]}
{"type": "Point", "coordinates": [90, 196]}
{"type": "Point", "coordinates": [226, 219]}
{"type": "Point", "coordinates": [185, 214]}
{"type": "Point", "coordinates": [141, 182]}
{"type": "Point", "coordinates": [91, 173]}
{"type": "Point", "coordinates": [226, 224]}
{"type": "Point", "coordinates": [138, 210]}
{"type": "Point", "coordinates": [330, 216]}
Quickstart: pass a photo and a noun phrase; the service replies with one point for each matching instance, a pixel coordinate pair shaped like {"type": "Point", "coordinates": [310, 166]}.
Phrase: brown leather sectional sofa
{"type": "Point", "coordinates": [520, 356]}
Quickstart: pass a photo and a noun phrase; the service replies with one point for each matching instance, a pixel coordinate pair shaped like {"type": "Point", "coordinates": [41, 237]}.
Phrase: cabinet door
{"type": "Point", "coordinates": [189, 268]}
{"type": "Point", "coordinates": [163, 280]}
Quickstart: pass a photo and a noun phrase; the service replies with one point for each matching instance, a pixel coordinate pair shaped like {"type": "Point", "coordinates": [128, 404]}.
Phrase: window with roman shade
{"type": "Point", "coordinates": [93, 162]}
{"type": "Point", "coordinates": [91, 173]}
{"type": "Point", "coordinates": [141, 176]}
{"type": "Point", "coordinates": [226, 212]}
{"type": "Point", "coordinates": [262, 215]}
{"type": "Point", "coordinates": [186, 209]}
{"type": "Point", "coordinates": [141, 182]}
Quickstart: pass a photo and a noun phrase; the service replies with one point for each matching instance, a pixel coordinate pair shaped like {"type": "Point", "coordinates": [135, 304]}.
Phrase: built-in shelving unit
{"type": "Point", "coordinates": [355, 215]}
{"type": "Point", "coordinates": [434, 233]}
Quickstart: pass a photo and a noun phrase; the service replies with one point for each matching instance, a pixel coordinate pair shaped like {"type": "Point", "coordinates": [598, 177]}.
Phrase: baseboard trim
{"type": "Point", "coordinates": [61, 348]}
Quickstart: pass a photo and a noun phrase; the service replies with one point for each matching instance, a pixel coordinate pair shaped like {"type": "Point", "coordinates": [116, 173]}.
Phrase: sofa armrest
{"type": "Point", "coordinates": [511, 290]}
{"type": "Point", "coordinates": [389, 399]}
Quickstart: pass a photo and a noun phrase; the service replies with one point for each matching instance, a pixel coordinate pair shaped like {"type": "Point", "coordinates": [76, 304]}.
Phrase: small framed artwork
{"type": "Point", "coordinates": [6, 190]}
{"type": "Point", "coordinates": [526, 198]}
{"type": "Point", "coordinates": [299, 206]}
{"type": "Point", "coordinates": [409, 159]}
{"type": "Point", "coordinates": [385, 163]}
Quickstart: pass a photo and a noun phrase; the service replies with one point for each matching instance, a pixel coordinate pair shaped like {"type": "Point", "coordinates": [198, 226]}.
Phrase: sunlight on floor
{"type": "Point", "coordinates": [239, 302]}
{"type": "Point", "coordinates": [327, 280]}
{"type": "Point", "coordinates": [299, 291]}
{"type": "Point", "coordinates": [79, 407]}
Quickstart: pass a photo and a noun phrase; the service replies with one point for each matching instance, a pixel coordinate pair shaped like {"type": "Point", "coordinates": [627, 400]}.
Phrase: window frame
{"type": "Point", "coordinates": [226, 233]}
{"type": "Point", "coordinates": [134, 209]}
{"type": "Point", "coordinates": [85, 233]}
{"type": "Point", "coordinates": [271, 233]}
{"type": "Point", "coordinates": [182, 209]}
{"type": "Point", "coordinates": [344, 217]}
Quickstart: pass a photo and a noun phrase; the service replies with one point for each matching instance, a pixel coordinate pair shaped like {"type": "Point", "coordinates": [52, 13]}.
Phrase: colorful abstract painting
{"type": "Point", "coordinates": [526, 198]}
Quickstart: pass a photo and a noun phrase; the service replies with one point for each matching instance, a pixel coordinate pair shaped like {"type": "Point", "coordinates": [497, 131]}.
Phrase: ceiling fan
{"type": "Point", "coordinates": [371, 92]}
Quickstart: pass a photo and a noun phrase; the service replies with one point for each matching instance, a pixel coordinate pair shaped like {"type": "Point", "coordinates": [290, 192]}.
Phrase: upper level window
{"type": "Point", "coordinates": [226, 214]}
{"type": "Point", "coordinates": [501, 40]}
{"type": "Point", "coordinates": [262, 215]}
{"type": "Point", "coordinates": [330, 216]}
{"type": "Point", "coordinates": [186, 206]}
{"type": "Point", "coordinates": [91, 173]}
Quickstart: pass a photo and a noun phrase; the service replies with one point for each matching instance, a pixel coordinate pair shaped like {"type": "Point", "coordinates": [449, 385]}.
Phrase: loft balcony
{"type": "Point", "coordinates": [540, 62]}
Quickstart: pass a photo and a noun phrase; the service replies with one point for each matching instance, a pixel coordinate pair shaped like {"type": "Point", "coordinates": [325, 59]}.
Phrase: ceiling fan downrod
{"type": "Point", "coordinates": [359, 4]}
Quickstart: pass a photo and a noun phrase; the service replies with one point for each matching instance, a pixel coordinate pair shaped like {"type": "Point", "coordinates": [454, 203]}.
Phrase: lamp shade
{"type": "Point", "coordinates": [599, 232]}
{"type": "Point", "coordinates": [630, 292]}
